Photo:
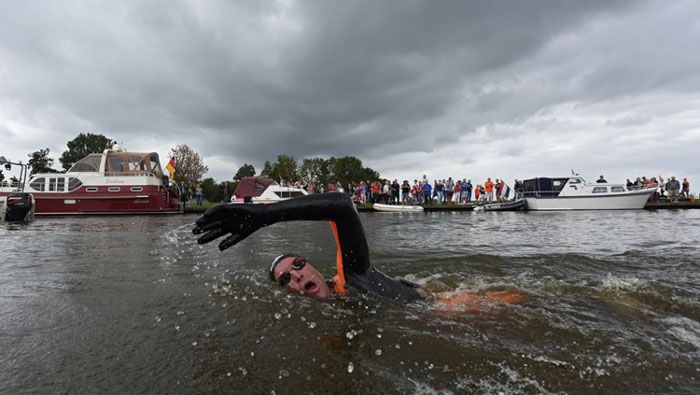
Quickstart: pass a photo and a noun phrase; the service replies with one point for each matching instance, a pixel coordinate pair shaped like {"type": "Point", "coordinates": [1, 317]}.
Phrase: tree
{"type": "Point", "coordinates": [39, 162]}
{"type": "Point", "coordinates": [245, 171]}
{"type": "Point", "coordinates": [349, 169]}
{"type": "Point", "coordinates": [285, 168]}
{"type": "Point", "coordinates": [2, 176]}
{"type": "Point", "coordinates": [82, 146]}
{"type": "Point", "coordinates": [211, 190]}
{"type": "Point", "coordinates": [267, 169]}
{"type": "Point", "coordinates": [189, 166]}
{"type": "Point", "coordinates": [315, 169]}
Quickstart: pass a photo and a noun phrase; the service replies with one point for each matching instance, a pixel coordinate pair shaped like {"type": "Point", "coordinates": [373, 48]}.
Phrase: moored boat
{"type": "Point", "coordinates": [574, 193]}
{"type": "Point", "coordinates": [512, 205]}
{"type": "Point", "coordinates": [111, 182]}
{"type": "Point", "coordinates": [262, 190]}
{"type": "Point", "coordinates": [397, 208]}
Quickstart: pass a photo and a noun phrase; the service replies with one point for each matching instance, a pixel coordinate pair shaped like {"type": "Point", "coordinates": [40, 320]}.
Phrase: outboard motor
{"type": "Point", "coordinates": [19, 207]}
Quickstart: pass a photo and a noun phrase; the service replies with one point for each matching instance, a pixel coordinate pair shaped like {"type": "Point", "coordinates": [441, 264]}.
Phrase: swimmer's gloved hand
{"type": "Point", "coordinates": [240, 220]}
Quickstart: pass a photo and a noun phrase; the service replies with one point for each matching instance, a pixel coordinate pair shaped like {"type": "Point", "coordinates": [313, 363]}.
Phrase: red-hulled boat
{"type": "Point", "coordinates": [113, 182]}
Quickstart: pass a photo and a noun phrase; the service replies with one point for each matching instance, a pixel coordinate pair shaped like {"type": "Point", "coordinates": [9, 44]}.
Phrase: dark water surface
{"type": "Point", "coordinates": [133, 304]}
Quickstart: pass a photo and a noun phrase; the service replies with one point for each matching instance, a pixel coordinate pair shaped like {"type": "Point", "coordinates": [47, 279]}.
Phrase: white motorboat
{"type": "Point", "coordinates": [262, 190]}
{"type": "Point", "coordinates": [397, 208]}
{"type": "Point", "coordinates": [574, 193]}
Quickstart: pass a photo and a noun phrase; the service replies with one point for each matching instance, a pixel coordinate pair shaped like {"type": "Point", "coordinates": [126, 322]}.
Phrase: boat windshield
{"type": "Point", "coordinates": [133, 163]}
{"type": "Point", "coordinates": [90, 163]}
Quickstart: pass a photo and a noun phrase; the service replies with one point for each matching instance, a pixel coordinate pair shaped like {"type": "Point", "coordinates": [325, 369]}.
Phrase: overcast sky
{"type": "Point", "coordinates": [512, 89]}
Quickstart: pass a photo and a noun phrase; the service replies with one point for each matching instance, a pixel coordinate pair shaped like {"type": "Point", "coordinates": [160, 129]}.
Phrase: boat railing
{"type": "Point", "coordinates": [129, 174]}
{"type": "Point", "coordinates": [10, 184]}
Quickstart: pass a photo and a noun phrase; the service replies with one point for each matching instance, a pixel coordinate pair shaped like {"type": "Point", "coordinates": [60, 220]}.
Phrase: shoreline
{"type": "Point", "coordinates": [664, 205]}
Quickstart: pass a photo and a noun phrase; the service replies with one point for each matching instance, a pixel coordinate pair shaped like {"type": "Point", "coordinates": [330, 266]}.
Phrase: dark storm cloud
{"type": "Point", "coordinates": [244, 81]}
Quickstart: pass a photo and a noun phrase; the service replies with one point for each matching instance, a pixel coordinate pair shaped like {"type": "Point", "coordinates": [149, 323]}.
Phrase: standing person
{"type": "Point", "coordinates": [395, 189]}
{"type": "Point", "coordinates": [601, 180]}
{"type": "Point", "coordinates": [477, 193]}
{"type": "Point", "coordinates": [375, 191]}
{"type": "Point", "coordinates": [673, 187]}
{"type": "Point", "coordinates": [458, 192]}
{"type": "Point", "coordinates": [199, 195]}
{"type": "Point", "coordinates": [449, 190]}
{"type": "Point", "coordinates": [225, 191]}
{"type": "Point", "coordinates": [183, 195]}
{"type": "Point", "coordinates": [489, 186]}
{"type": "Point", "coordinates": [427, 190]}
{"type": "Point", "coordinates": [686, 188]}
{"type": "Point", "coordinates": [405, 192]}
{"type": "Point", "coordinates": [440, 191]}
{"type": "Point", "coordinates": [468, 191]}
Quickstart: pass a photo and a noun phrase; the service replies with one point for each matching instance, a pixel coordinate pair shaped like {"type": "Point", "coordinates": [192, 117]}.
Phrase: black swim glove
{"type": "Point", "coordinates": [240, 220]}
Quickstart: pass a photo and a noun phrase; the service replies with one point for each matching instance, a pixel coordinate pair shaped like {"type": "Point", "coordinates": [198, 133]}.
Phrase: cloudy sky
{"type": "Point", "coordinates": [512, 89]}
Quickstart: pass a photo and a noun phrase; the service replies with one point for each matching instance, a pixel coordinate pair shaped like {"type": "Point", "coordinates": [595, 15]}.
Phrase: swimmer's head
{"type": "Point", "coordinates": [298, 275]}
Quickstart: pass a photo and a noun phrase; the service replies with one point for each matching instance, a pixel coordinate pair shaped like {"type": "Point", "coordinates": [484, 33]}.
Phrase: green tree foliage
{"type": "Point", "coordinates": [245, 171]}
{"type": "Point", "coordinates": [315, 169]}
{"type": "Point", "coordinates": [349, 169]}
{"type": "Point", "coordinates": [39, 162]}
{"type": "Point", "coordinates": [82, 146]}
{"type": "Point", "coordinates": [285, 168]}
{"type": "Point", "coordinates": [211, 190]}
{"type": "Point", "coordinates": [267, 169]}
{"type": "Point", "coordinates": [189, 166]}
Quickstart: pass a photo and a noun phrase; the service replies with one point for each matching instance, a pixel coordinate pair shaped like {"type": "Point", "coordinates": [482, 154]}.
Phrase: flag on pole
{"type": "Point", "coordinates": [170, 167]}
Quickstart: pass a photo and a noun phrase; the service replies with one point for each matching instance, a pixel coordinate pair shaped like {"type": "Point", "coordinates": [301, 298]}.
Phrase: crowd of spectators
{"type": "Point", "coordinates": [672, 189]}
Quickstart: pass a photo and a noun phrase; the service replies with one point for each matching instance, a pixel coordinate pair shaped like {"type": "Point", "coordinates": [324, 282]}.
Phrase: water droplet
{"type": "Point", "coordinates": [177, 327]}
{"type": "Point", "coordinates": [278, 316]}
{"type": "Point", "coordinates": [194, 343]}
{"type": "Point", "coordinates": [378, 352]}
{"type": "Point", "coordinates": [312, 325]}
{"type": "Point", "coordinates": [397, 346]}
{"type": "Point", "coordinates": [351, 367]}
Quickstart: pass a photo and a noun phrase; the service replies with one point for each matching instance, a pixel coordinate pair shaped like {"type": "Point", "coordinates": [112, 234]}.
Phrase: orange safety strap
{"type": "Point", "coordinates": [339, 278]}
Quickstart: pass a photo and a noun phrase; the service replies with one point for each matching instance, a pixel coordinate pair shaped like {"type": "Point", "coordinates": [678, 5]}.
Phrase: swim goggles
{"type": "Point", "coordinates": [286, 277]}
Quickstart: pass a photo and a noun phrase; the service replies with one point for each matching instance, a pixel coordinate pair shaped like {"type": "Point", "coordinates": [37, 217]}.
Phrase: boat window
{"type": "Point", "coordinates": [575, 181]}
{"type": "Point", "coordinates": [113, 189]}
{"type": "Point", "coordinates": [617, 189]}
{"type": "Point", "coordinates": [90, 163]}
{"type": "Point", "coordinates": [556, 183]}
{"type": "Point", "coordinates": [91, 189]}
{"type": "Point", "coordinates": [52, 184]}
{"type": "Point", "coordinates": [38, 184]}
{"type": "Point", "coordinates": [61, 184]}
{"type": "Point", "coordinates": [116, 164]}
{"type": "Point", "coordinates": [155, 166]}
{"type": "Point", "coordinates": [137, 163]}
{"type": "Point", "coordinates": [136, 189]}
{"type": "Point", "coordinates": [289, 194]}
{"type": "Point", "coordinates": [600, 190]}
{"type": "Point", "coordinates": [73, 184]}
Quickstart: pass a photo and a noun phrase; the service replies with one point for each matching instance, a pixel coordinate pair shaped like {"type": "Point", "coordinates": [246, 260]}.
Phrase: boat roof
{"type": "Point", "coordinates": [252, 186]}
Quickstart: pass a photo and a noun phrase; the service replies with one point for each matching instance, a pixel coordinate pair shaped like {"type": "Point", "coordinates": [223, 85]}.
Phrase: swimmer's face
{"type": "Point", "coordinates": [303, 278]}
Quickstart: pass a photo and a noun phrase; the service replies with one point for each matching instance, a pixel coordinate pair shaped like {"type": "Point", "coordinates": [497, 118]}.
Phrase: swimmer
{"type": "Point", "coordinates": [354, 270]}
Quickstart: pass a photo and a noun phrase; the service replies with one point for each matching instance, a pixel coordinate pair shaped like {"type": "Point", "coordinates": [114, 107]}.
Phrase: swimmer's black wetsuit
{"type": "Point", "coordinates": [354, 268]}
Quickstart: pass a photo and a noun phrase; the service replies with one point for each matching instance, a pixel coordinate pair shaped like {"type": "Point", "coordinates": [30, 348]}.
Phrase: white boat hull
{"type": "Point", "coordinates": [634, 200]}
{"type": "Point", "coordinates": [397, 208]}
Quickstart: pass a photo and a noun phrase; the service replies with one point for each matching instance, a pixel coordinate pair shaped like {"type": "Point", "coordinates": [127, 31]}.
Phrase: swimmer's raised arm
{"type": "Point", "coordinates": [242, 220]}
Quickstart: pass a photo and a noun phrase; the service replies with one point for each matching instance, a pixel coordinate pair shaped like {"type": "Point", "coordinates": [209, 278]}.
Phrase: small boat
{"type": "Point", "coordinates": [574, 193]}
{"type": "Point", "coordinates": [513, 205]}
{"type": "Point", "coordinates": [397, 208]}
{"type": "Point", "coordinates": [262, 190]}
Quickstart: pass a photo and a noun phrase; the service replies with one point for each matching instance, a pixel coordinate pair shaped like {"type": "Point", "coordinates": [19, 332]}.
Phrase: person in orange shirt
{"type": "Point", "coordinates": [488, 185]}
